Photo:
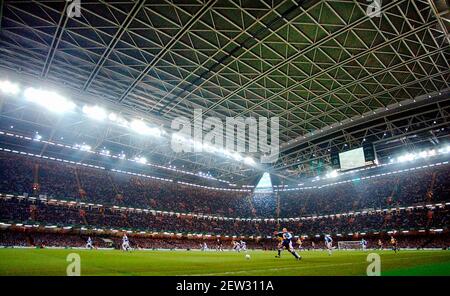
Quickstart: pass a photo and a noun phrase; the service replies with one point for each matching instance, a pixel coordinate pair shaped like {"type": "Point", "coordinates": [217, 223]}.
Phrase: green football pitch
{"type": "Point", "coordinates": [105, 262]}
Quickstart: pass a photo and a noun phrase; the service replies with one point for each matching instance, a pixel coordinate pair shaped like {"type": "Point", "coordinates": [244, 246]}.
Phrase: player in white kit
{"type": "Point", "coordinates": [125, 243]}
{"type": "Point", "coordinates": [363, 244]}
{"type": "Point", "coordinates": [243, 245]}
{"type": "Point", "coordinates": [89, 243]}
{"type": "Point", "coordinates": [236, 246]}
{"type": "Point", "coordinates": [329, 243]}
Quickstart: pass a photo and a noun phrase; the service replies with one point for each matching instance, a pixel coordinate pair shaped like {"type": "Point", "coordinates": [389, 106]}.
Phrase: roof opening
{"type": "Point", "coordinates": [264, 184]}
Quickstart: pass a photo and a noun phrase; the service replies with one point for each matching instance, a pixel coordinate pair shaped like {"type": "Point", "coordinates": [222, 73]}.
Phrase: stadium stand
{"type": "Point", "coordinates": [63, 181]}
{"type": "Point", "coordinates": [25, 238]}
{"type": "Point", "coordinates": [19, 210]}
{"type": "Point", "coordinates": [46, 192]}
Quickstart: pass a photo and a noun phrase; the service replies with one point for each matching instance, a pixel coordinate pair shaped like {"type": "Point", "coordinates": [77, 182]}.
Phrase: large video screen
{"type": "Point", "coordinates": [352, 159]}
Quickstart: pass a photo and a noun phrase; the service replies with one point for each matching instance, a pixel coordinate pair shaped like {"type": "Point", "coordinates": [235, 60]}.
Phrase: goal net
{"type": "Point", "coordinates": [349, 245]}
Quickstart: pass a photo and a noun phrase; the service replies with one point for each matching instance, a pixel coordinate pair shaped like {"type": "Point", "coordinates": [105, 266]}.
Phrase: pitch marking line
{"type": "Point", "coordinates": [269, 269]}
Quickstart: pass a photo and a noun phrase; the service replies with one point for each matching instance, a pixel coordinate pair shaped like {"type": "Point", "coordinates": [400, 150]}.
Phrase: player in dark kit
{"type": "Point", "coordinates": [394, 244]}
{"type": "Point", "coordinates": [380, 244]}
{"type": "Point", "coordinates": [219, 246]}
{"type": "Point", "coordinates": [286, 243]}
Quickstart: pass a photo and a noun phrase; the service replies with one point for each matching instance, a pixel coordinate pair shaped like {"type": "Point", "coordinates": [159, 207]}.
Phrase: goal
{"type": "Point", "coordinates": [349, 245]}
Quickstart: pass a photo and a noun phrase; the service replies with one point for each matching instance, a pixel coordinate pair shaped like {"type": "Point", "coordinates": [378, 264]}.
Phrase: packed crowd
{"type": "Point", "coordinates": [18, 210]}
{"type": "Point", "coordinates": [426, 185]}
{"type": "Point", "coordinates": [21, 174]}
{"type": "Point", "coordinates": [65, 240]}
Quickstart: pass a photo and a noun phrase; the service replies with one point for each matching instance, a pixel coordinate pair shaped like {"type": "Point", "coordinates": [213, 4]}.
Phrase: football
{"type": "Point", "coordinates": [247, 256]}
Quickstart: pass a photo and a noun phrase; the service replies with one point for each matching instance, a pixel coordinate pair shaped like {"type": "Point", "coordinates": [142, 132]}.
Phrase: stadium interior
{"type": "Point", "coordinates": [88, 103]}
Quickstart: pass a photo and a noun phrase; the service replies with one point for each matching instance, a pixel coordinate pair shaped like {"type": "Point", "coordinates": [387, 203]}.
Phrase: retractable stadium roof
{"type": "Point", "coordinates": [332, 72]}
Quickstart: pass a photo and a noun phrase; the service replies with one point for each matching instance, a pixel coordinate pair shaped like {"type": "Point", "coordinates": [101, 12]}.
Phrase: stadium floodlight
{"type": "Point", "coordinates": [112, 116]}
{"type": "Point", "coordinates": [140, 127]}
{"type": "Point", "coordinates": [431, 152]}
{"type": "Point", "coordinates": [105, 152]}
{"type": "Point", "coordinates": [9, 88]}
{"type": "Point", "coordinates": [178, 138]}
{"type": "Point", "coordinates": [48, 99]}
{"type": "Point", "coordinates": [226, 153]}
{"type": "Point", "coordinates": [117, 119]}
{"type": "Point", "coordinates": [94, 112]}
{"type": "Point", "coordinates": [139, 159]}
{"type": "Point", "coordinates": [332, 174]}
{"type": "Point", "coordinates": [236, 156]}
{"type": "Point", "coordinates": [406, 157]}
{"type": "Point", "coordinates": [423, 154]}
{"type": "Point", "coordinates": [249, 160]}
{"type": "Point", "coordinates": [85, 147]}
{"type": "Point", "coordinates": [209, 148]}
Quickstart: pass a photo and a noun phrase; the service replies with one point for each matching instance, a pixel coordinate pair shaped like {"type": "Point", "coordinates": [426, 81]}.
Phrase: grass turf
{"type": "Point", "coordinates": [104, 262]}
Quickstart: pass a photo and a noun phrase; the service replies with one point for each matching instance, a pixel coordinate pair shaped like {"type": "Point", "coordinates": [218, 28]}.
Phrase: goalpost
{"type": "Point", "coordinates": [349, 245]}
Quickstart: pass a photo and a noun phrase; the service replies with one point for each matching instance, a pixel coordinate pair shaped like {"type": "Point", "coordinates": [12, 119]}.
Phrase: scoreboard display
{"type": "Point", "coordinates": [354, 158]}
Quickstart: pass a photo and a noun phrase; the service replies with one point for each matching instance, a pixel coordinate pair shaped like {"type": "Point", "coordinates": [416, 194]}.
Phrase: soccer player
{"type": "Point", "coordinates": [299, 243]}
{"type": "Point", "coordinates": [219, 246]}
{"type": "Point", "coordinates": [287, 244]}
{"type": "Point", "coordinates": [236, 246]}
{"type": "Point", "coordinates": [380, 244]}
{"type": "Point", "coordinates": [243, 246]}
{"type": "Point", "coordinates": [89, 243]}
{"type": "Point", "coordinates": [394, 244]}
{"type": "Point", "coordinates": [329, 244]}
{"type": "Point", "coordinates": [204, 246]}
{"type": "Point", "coordinates": [125, 243]}
{"type": "Point", "coordinates": [279, 239]}
{"type": "Point", "coordinates": [363, 244]}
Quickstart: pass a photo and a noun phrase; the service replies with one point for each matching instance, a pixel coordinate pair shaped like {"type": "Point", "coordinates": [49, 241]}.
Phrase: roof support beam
{"type": "Point", "coordinates": [301, 53]}
{"type": "Point", "coordinates": [55, 42]}
{"type": "Point", "coordinates": [2, 4]}
{"type": "Point", "coordinates": [439, 14]}
{"type": "Point", "coordinates": [355, 120]}
{"type": "Point", "coordinates": [338, 65]}
{"type": "Point", "coordinates": [168, 47]}
{"type": "Point", "coordinates": [384, 130]}
{"type": "Point", "coordinates": [123, 28]}
{"type": "Point", "coordinates": [230, 57]}
{"type": "Point", "coordinates": [361, 80]}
